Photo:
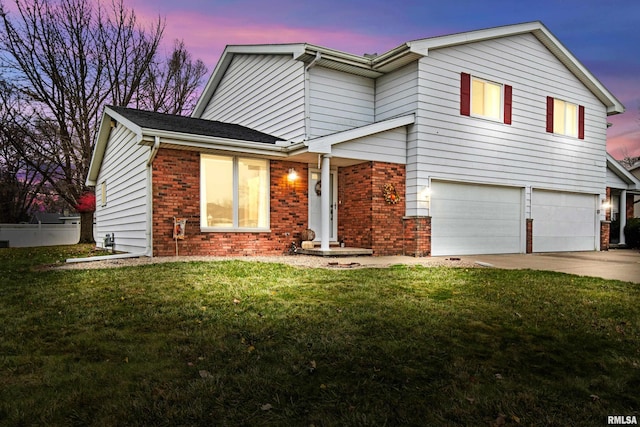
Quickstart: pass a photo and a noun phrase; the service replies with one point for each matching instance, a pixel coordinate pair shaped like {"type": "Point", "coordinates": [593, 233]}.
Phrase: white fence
{"type": "Point", "coordinates": [29, 235]}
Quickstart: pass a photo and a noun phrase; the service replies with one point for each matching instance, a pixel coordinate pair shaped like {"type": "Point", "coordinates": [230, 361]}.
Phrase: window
{"type": "Point", "coordinates": [234, 192]}
{"type": "Point", "coordinates": [565, 118]}
{"type": "Point", "coordinates": [103, 193]}
{"type": "Point", "coordinates": [483, 98]}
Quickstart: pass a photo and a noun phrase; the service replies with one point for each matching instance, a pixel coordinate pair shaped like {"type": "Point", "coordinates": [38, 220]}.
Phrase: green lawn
{"type": "Point", "coordinates": [242, 343]}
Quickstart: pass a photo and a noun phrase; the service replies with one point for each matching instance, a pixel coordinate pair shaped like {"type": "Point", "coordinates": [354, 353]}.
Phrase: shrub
{"type": "Point", "coordinates": [632, 232]}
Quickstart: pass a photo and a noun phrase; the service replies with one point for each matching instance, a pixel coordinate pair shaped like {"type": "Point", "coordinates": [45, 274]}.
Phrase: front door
{"type": "Point", "coordinates": [315, 190]}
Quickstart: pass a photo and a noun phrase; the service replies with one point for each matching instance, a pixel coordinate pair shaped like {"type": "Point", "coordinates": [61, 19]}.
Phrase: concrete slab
{"type": "Point", "coordinates": [616, 264]}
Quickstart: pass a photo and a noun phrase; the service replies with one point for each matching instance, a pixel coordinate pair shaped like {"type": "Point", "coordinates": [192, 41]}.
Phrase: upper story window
{"type": "Point", "coordinates": [565, 118]}
{"type": "Point", "coordinates": [234, 193]}
{"type": "Point", "coordinates": [484, 98]}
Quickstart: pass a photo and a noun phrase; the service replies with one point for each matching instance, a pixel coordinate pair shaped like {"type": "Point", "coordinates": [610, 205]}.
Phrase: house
{"type": "Point", "coordinates": [635, 171]}
{"type": "Point", "coordinates": [490, 141]}
{"type": "Point", "coordinates": [623, 188]}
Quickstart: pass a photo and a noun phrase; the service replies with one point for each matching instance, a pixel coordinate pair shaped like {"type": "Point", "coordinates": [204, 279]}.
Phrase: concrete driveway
{"type": "Point", "coordinates": [616, 264]}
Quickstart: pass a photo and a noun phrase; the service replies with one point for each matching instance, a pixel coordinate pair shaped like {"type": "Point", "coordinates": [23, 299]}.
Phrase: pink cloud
{"type": "Point", "coordinates": [206, 36]}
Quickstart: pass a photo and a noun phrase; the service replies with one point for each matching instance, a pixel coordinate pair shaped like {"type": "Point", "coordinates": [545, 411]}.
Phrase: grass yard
{"type": "Point", "coordinates": [241, 343]}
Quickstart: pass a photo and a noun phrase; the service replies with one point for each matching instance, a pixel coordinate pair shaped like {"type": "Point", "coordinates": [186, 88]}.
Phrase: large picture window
{"type": "Point", "coordinates": [234, 193]}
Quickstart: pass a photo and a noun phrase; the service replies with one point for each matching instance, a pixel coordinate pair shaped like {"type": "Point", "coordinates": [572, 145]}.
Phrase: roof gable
{"type": "Point", "coordinates": [545, 36]}
{"type": "Point", "coordinates": [375, 66]}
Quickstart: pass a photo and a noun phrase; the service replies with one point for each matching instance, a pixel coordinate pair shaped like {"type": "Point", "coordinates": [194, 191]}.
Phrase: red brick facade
{"type": "Point", "coordinates": [417, 236]}
{"type": "Point", "coordinates": [529, 242]}
{"type": "Point", "coordinates": [176, 193]}
{"type": "Point", "coordinates": [605, 230]}
{"type": "Point", "coordinates": [365, 219]}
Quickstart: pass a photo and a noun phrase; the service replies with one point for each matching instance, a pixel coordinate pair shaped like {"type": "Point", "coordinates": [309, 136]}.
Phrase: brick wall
{"type": "Point", "coordinates": [605, 230]}
{"type": "Point", "coordinates": [365, 219]}
{"type": "Point", "coordinates": [529, 237]}
{"type": "Point", "coordinates": [176, 193]}
{"type": "Point", "coordinates": [417, 236]}
{"type": "Point", "coordinates": [630, 206]}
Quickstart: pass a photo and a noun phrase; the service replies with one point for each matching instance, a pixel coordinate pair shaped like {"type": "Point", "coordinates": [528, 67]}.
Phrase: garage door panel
{"type": "Point", "coordinates": [475, 219]}
{"type": "Point", "coordinates": [563, 221]}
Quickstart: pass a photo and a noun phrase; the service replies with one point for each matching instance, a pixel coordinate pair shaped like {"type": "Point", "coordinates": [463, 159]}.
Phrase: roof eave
{"type": "Point", "coordinates": [215, 143]}
{"type": "Point", "coordinates": [102, 138]}
{"type": "Point", "coordinates": [622, 173]}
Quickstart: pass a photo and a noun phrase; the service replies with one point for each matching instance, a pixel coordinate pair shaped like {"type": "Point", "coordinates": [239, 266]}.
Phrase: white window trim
{"type": "Point", "coordinates": [500, 117]}
{"type": "Point", "coordinates": [235, 228]}
{"type": "Point", "coordinates": [576, 118]}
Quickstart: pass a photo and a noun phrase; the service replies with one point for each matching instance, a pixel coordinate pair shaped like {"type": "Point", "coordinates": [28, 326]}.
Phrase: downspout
{"type": "Point", "coordinates": [307, 91]}
{"type": "Point", "coordinates": [152, 156]}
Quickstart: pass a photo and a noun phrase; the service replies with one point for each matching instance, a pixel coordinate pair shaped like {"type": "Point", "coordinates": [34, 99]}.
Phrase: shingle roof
{"type": "Point", "coordinates": [189, 125]}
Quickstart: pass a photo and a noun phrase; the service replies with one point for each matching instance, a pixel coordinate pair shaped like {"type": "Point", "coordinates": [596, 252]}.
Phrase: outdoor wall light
{"type": "Point", "coordinates": [292, 175]}
{"type": "Point", "coordinates": [425, 194]}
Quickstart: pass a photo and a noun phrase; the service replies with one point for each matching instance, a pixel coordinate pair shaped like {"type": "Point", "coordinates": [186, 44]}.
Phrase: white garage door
{"type": "Point", "coordinates": [475, 219]}
{"type": "Point", "coordinates": [563, 221]}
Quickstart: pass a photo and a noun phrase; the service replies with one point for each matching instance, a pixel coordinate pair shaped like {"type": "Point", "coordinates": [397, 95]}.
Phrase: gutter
{"type": "Point", "coordinates": [307, 95]}
{"type": "Point", "coordinates": [105, 258]}
{"type": "Point", "coordinates": [149, 230]}
{"type": "Point", "coordinates": [154, 150]}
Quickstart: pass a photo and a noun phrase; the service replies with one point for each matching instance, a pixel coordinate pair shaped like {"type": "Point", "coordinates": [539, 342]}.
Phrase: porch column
{"type": "Point", "coordinates": [623, 215]}
{"type": "Point", "coordinates": [325, 202]}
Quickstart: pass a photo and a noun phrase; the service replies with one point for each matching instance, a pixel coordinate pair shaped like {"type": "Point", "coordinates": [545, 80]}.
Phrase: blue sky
{"type": "Point", "coordinates": [603, 34]}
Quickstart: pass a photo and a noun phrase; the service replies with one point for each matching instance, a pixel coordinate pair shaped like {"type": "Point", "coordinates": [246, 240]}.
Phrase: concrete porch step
{"type": "Point", "coordinates": [335, 251]}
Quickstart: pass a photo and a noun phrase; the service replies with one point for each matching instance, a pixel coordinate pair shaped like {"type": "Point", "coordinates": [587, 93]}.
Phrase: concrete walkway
{"type": "Point", "coordinates": [615, 264]}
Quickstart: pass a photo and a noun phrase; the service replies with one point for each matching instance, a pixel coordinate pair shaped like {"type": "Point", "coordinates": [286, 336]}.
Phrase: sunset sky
{"type": "Point", "coordinates": [603, 35]}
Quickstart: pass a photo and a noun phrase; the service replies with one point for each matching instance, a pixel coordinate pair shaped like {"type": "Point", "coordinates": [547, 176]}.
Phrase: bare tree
{"type": "Point", "coordinates": [70, 58]}
{"type": "Point", "coordinates": [22, 186]}
{"type": "Point", "coordinates": [628, 161]}
{"type": "Point", "coordinates": [170, 85]}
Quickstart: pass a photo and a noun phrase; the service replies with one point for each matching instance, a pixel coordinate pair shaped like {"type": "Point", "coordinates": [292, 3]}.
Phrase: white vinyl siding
{"type": "Point", "coordinates": [262, 92]}
{"type": "Point", "coordinates": [614, 181]}
{"type": "Point", "coordinates": [390, 146]}
{"type": "Point", "coordinates": [563, 221]}
{"type": "Point", "coordinates": [125, 214]}
{"type": "Point", "coordinates": [338, 101]}
{"type": "Point", "coordinates": [396, 92]}
{"type": "Point", "coordinates": [397, 95]}
{"type": "Point", "coordinates": [475, 219]}
{"type": "Point", "coordinates": [457, 147]}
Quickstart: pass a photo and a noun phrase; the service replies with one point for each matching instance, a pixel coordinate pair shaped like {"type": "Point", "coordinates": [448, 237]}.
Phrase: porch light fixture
{"type": "Point", "coordinates": [292, 175]}
{"type": "Point", "coordinates": [425, 194]}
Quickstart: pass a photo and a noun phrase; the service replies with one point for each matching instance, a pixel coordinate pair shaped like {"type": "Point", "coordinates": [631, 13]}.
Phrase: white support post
{"type": "Point", "coordinates": [325, 202]}
{"type": "Point", "coordinates": [623, 215]}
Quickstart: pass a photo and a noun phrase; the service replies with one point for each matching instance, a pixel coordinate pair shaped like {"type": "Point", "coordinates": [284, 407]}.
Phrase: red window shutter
{"type": "Point", "coordinates": [508, 90]}
{"type": "Point", "coordinates": [465, 94]}
{"type": "Point", "coordinates": [549, 114]}
{"type": "Point", "coordinates": [580, 121]}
